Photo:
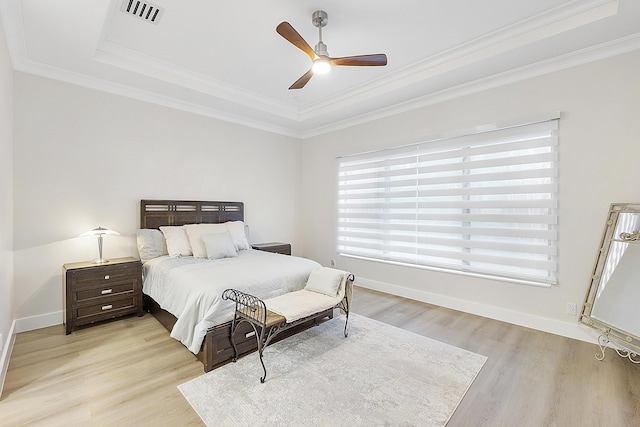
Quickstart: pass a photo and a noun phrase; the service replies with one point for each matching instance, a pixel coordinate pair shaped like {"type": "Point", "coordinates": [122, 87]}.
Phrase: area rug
{"type": "Point", "coordinates": [379, 376]}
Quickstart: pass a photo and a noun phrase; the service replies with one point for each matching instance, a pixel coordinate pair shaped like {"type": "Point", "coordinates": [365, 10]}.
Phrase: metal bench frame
{"type": "Point", "coordinates": [267, 324]}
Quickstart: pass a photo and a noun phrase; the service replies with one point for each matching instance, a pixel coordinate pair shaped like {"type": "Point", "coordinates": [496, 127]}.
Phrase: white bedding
{"type": "Point", "coordinates": [191, 288]}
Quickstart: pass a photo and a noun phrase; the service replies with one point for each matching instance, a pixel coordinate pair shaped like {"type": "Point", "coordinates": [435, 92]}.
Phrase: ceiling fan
{"type": "Point", "coordinates": [322, 62]}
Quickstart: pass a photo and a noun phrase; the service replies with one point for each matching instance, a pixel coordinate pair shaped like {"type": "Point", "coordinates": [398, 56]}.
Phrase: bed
{"type": "Point", "coordinates": [184, 290]}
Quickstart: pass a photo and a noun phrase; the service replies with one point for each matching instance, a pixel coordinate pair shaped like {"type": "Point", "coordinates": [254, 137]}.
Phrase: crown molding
{"type": "Point", "coordinates": [78, 79]}
{"type": "Point", "coordinates": [584, 56]}
{"type": "Point", "coordinates": [603, 51]}
{"type": "Point", "coordinates": [536, 28]}
{"type": "Point", "coordinates": [140, 63]}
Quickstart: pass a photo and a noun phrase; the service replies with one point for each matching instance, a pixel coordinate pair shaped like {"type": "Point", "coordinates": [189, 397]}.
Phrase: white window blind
{"type": "Point", "coordinates": [483, 204]}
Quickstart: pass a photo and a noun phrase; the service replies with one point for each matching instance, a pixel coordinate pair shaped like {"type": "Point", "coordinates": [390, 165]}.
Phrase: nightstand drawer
{"type": "Point", "coordinates": [105, 309]}
{"type": "Point", "coordinates": [101, 276]}
{"type": "Point", "coordinates": [105, 289]}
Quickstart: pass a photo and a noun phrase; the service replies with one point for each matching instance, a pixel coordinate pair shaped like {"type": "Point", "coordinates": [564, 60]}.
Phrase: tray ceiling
{"type": "Point", "coordinates": [225, 59]}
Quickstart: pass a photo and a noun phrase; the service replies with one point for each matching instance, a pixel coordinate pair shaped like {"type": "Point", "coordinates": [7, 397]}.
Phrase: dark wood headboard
{"type": "Point", "coordinates": [157, 213]}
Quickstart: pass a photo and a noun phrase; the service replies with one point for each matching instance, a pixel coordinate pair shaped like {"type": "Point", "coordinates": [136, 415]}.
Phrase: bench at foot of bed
{"type": "Point", "coordinates": [271, 317]}
{"type": "Point", "coordinates": [217, 350]}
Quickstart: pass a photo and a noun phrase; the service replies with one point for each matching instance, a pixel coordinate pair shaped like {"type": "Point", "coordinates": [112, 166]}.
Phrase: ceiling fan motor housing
{"type": "Point", "coordinates": [319, 18]}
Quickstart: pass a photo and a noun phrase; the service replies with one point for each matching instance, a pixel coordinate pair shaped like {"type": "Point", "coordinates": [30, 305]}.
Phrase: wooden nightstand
{"type": "Point", "coordinates": [96, 292]}
{"type": "Point", "coordinates": [275, 247]}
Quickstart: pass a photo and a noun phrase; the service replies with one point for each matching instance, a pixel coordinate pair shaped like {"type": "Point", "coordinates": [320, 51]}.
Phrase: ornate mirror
{"type": "Point", "coordinates": [611, 305]}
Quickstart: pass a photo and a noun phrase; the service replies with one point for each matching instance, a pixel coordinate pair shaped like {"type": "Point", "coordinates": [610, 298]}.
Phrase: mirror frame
{"type": "Point", "coordinates": [629, 342]}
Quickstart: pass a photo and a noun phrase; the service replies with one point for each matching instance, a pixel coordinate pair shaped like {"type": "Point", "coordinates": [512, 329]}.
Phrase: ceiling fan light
{"type": "Point", "coordinates": [321, 66]}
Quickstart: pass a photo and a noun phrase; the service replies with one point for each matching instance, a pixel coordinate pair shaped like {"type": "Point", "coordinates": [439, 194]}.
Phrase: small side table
{"type": "Point", "coordinates": [275, 247]}
{"type": "Point", "coordinates": [96, 292]}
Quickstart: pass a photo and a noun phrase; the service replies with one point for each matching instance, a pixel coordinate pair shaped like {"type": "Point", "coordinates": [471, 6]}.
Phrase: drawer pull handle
{"type": "Point", "coordinates": [106, 277]}
{"type": "Point", "coordinates": [249, 334]}
{"type": "Point", "coordinates": [107, 307]}
{"type": "Point", "coordinates": [106, 291]}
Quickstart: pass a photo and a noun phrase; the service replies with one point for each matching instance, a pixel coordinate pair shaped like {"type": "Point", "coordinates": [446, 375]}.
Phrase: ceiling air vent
{"type": "Point", "coordinates": [143, 10]}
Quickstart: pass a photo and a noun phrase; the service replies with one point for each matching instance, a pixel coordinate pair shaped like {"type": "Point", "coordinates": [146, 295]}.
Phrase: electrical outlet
{"type": "Point", "coordinates": [571, 308]}
{"type": "Point", "coordinates": [332, 263]}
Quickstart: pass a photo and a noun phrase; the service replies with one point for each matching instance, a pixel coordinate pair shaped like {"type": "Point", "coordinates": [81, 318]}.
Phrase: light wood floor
{"type": "Point", "coordinates": [125, 373]}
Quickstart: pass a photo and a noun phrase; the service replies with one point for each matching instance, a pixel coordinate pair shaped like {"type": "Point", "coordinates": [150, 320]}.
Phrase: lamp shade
{"type": "Point", "coordinates": [99, 232]}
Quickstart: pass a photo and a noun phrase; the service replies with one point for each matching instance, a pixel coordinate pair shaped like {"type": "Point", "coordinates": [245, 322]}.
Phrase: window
{"type": "Point", "coordinates": [483, 204]}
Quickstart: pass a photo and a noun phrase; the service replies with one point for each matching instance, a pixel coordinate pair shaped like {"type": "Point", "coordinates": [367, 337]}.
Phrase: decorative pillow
{"type": "Point", "coordinates": [238, 233]}
{"type": "Point", "coordinates": [325, 280]}
{"type": "Point", "coordinates": [151, 244]}
{"type": "Point", "coordinates": [219, 245]}
{"type": "Point", "coordinates": [177, 241]}
{"type": "Point", "coordinates": [195, 233]}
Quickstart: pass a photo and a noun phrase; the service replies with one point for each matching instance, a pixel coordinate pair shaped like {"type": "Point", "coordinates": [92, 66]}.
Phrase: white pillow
{"type": "Point", "coordinates": [219, 245]}
{"type": "Point", "coordinates": [325, 280]}
{"type": "Point", "coordinates": [151, 244]}
{"type": "Point", "coordinates": [177, 241]}
{"type": "Point", "coordinates": [195, 233]}
{"type": "Point", "coordinates": [238, 233]}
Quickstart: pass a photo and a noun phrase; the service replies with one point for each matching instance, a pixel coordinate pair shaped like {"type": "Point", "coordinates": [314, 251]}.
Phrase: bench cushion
{"type": "Point", "coordinates": [297, 305]}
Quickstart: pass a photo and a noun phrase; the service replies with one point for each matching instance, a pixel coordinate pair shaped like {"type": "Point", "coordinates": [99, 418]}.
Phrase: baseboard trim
{"type": "Point", "coordinates": [7, 348]}
{"type": "Point", "coordinates": [23, 325]}
{"type": "Point", "coordinates": [40, 321]}
{"type": "Point", "coordinates": [565, 329]}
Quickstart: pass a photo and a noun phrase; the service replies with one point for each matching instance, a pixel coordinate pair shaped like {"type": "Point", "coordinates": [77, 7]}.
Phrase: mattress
{"type": "Point", "coordinates": [191, 288]}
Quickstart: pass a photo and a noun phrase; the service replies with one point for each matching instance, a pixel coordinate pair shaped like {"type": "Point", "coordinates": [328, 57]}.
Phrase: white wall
{"type": "Point", "coordinates": [6, 203]}
{"type": "Point", "coordinates": [85, 158]}
{"type": "Point", "coordinates": [599, 152]}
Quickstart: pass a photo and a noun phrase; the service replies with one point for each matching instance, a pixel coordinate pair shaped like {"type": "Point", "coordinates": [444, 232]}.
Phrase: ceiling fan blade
{"type": "Point", "coordinates": [299, 84]}
{"type": "Point", "coordinates": [361, 60]}
{"type": "Point", "coordinates": [288, 32]}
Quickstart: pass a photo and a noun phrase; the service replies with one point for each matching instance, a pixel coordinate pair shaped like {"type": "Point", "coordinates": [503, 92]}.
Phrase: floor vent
{"type": "Point", "coordinates": [143, 10]}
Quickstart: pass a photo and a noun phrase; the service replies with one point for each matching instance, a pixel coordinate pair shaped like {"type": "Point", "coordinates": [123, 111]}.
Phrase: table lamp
{"type": "Point", "coordinates": [99, 232]}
